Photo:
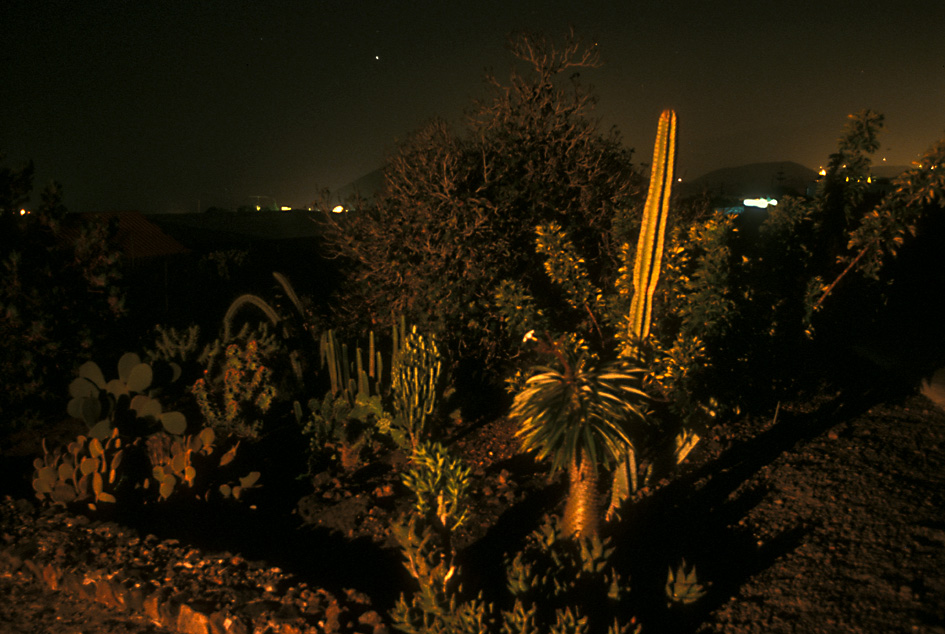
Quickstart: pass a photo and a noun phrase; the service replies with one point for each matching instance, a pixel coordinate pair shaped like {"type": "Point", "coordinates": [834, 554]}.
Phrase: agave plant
{"type": "Point", "coordinates": [578, 417]}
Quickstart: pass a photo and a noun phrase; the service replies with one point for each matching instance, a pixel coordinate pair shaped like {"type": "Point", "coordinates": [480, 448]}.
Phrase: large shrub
{"type": "Point", "coordinates": [460, 205]}
{"type": "Point", "coordinates": [59, 295]}
{"type": "Point", "coordinates": [754, 308]}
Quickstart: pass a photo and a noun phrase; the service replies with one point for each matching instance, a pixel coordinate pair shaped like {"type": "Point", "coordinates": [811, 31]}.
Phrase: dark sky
{"type": "Point", "coordinates": [167, 106]}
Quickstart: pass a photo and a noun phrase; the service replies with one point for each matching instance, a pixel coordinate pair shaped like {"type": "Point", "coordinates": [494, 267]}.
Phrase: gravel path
{"type": "Point", "coordinates": [865, 502]}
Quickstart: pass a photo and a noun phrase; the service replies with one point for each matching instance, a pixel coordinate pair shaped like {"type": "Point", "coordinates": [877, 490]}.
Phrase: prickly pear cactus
{"type": "Point", "coordinates": [177, 463]}
{"type": "Point", "coordinates": [128, 401]}
{"type": "Point", "coordinates": [88, 469]}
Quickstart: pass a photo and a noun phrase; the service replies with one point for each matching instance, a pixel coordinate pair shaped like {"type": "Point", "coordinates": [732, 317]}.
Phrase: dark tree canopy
{"type": "Point", "coordinates": [461, 204]}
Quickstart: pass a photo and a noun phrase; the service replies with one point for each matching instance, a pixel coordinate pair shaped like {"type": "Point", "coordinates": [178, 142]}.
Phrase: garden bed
{"type": "Point", "coordinates": [827, 518]}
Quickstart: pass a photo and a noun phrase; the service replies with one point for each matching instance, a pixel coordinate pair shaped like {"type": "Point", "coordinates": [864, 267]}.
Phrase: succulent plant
{"type": "Point", "coordinates": [646, 273]}
{"type": "Point", "coordinates": [235, 490]}
{"type": "Point", "coordinates": [86, 470]}
{"type": "Point", "coordinates": [415, 386]}
{"type": "Point", "coordinates": [129, 401]}
{"type": "Point", "coordinates": [682, 586]}
{"type": "Point", "coordinates": [579, 415]}
{"type": "Point", "coordinates": [649, 254]}
{"type": "Point", "coordinates": [245, 393]}
{"type": "Point", "coordinates": [188, 462]}
{"type": "Point", "coordinates": [441, 484]}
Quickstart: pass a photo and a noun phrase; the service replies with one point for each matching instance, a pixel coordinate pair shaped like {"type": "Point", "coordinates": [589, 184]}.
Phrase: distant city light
{"type": "Point", "coordinates": [285, 208]}
{"type": "Point", "coordinates": [23, 212]}
{"type": "Point", "coordinates": [338, 209]}
{"type": "Point", "coordinates": [761, 203]}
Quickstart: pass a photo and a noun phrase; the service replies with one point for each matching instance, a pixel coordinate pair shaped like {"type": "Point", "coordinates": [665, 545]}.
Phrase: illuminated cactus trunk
{"type": "Point", "coordinates": [646, 273]}
{"type": "Point", "coordinates": [582, 510]}
{"type": "Point", "coordinates": [646, 263]}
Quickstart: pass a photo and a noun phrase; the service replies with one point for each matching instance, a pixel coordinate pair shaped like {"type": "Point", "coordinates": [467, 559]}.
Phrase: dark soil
{"type": "Point", "coordinates": [824, 518]}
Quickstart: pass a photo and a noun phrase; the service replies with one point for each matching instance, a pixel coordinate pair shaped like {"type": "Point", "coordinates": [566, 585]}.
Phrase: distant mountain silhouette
{"type": "Point", "coordinates": [366, 186]}
{"type": "Point", "coordinates": [753, 180]}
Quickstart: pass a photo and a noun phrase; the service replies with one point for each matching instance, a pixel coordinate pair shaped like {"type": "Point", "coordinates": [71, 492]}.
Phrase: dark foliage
{"type": "Point", "coordinates": [460, 207]}
{"type": "Point", "coordinates": [59, 296]}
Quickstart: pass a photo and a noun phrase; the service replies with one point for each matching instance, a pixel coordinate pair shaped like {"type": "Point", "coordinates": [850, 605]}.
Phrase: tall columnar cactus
{"type": "Point", "coordinates": [649, 255]}
{"type": "Point", "coordinates": [646, 273]}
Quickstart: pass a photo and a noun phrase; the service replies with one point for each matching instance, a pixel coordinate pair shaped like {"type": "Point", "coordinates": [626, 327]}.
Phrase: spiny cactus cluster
{"type": "Point", "coordinates": [86, 470]}
{"type": "Point", "coordinates": [416, 377]}
{"type": "Point", "coordinates": [347, 418]}
{"type": "Point", "coordinates": [336, 429]}
{"type": "Point", "coordinates": [557, 584]}
{"type": "Point", "coordinates": [246, 391]}
{"type": "Point", "coordinates": [441, 484]}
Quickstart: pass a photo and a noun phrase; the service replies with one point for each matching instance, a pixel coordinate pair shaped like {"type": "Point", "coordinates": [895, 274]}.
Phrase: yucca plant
{"type": "Point", "coordinates": [577, 416]}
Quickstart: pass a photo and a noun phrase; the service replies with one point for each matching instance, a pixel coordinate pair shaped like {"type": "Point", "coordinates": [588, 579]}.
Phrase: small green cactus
{"type": "Point", "coordinates": [172, 345]}
{"type": "Point", "coordinates": [683, 587]}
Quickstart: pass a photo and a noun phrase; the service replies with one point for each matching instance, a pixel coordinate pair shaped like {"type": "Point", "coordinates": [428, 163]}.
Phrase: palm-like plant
{"type": "Point", "coordinates": [578, 417]}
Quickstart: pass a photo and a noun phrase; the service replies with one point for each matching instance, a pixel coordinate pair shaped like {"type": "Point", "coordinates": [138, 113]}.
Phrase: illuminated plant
{"type": "Point", "coordinates": [86, 470]}
{"type": "Point", "coordinates": [416, 376]}
{"type": "Point", "coordinates": [244, 393]}
{"type": "Point", "coordinates": [441, 484]}
{"type": "Point", "coordinates": [577, 415]}
{"type": "Point", "coordinates": [649, 254]}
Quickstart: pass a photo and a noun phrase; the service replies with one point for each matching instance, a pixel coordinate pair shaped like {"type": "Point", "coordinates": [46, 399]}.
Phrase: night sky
{"type": "Point", "coordinates": [176, 106]}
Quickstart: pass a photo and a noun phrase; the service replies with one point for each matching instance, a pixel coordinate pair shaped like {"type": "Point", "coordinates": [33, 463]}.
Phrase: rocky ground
{"type": "Point", "coordinates": [846, 516]}
{"type": "Point", "coordinates": [824, 518]}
